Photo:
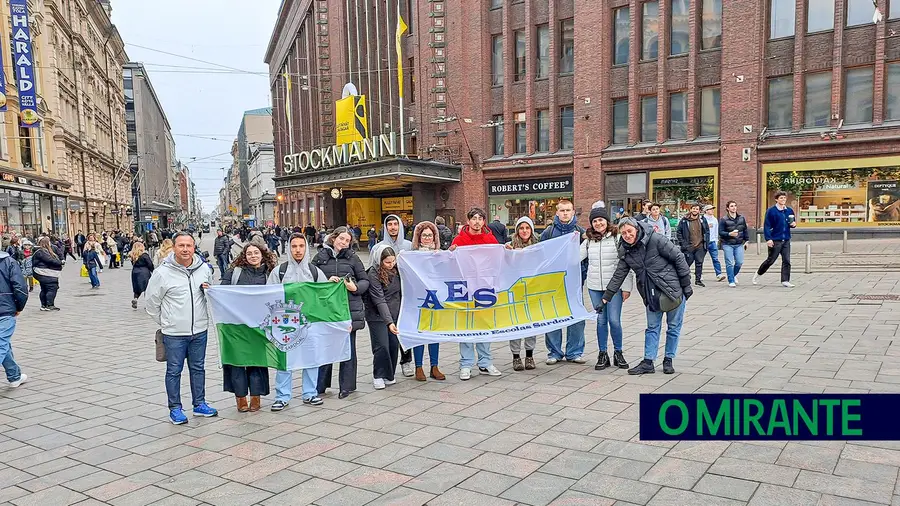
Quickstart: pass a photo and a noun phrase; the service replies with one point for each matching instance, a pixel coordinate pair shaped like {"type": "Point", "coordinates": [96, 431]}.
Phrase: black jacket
{"type": "Point", "coordinates": [446, 236]}
{"type": "Point", "coordinates": [43, 259]}
{"type": "Point", "coordinates": [652, 256]}
{"type": "Point", "coordinates": [382, 301]}
{"type": "Point", "coordinates": [500, 232]}
{"type": "Point", "coordinates": [684, 233]}
{"type": "Point", "coordinates": [222, 245]}
{"type": "Point", "coordinates": [728, 224]}
{"type": "Point", "coordinates": [141, 272]}
{"type": "Point", "coordinates": [13, 290]}
{"type": "Point", "coordinates": [346, 262]}
{"type": "Point", "coordinates": [249, 275]}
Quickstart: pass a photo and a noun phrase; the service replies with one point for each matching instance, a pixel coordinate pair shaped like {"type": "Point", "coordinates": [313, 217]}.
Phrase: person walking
{"type": "Point", "coordinates": [564, 223]}
{"type": "Point", "coordinates": [141, 271]}
{"type": "Point", "coordinates": [425, 239]}
{"type": "Point", "coordinates": [709, 214]}
{"type": "Point", "coordinates": [13, 297]}
{"type": "Point", "coordinates": [523, 238]}
{"type": "Point", "coordinates": [382, 301]}
{"type": "Point", "coordinates": [165, 249]}
{"type": "Point", "coordinates": [310, 232]}
{"type": "Point", "coordinates": [645, 211]}
{"type": "Point", "coordinates": [176, 300]}
{"type": "Point", "coordinates": [341, 265]}
{"type": "Point", "coordinates": [297, 269]}
{"type": "Point", "coordinates": [221, 250]}
{"type": "Point", "coordinates": [475, 233]}
{"type": "Point", "coordinates": [47, 268]}
{"type": "Point", "coordinates": [693, 238]}
{"type": "Point", "coordinates": [28, 266]}
{"type": "Point", "coordinates": [113, 252]}
{"type": "Point", "coordinates": [251, 267]}
{"type": "Point", "coordinates": [777, 227]}
{"type": "Point", "coordinates": [285, 236]}
{"type": "Point", "coordinates": [658, 221]}
{"type": "Point", "coordinates": [372, 236]}
{"type": "Point", "coordinates": [601, 251]}
{"type": "Point", "coordinates": [67, 244]}
{"type": "Point", "coordinates": [734, 235]}
{"type": "Point", "coordinates": [499, 230]}
{"type": "Point", "coordinates": [91, 260]}
{"type": "Point", "coordinates": [444, 233]}
{"type": "Point", "coordinates": [663, 279]}
{"type": "Point", "coordinates": [80, 241]}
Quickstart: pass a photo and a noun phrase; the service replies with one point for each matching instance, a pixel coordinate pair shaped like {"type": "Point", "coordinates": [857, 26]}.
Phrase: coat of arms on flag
{"type": "Point", "coordinates": [286, 326]}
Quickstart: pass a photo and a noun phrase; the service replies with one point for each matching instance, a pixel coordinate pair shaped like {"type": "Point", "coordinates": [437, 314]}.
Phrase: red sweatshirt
{"type": "Point", "coordinates": [466, 238]}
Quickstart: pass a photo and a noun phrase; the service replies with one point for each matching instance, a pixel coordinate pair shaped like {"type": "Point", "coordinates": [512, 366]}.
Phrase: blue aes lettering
{"type": "Point", "coordinates": [457, 291]}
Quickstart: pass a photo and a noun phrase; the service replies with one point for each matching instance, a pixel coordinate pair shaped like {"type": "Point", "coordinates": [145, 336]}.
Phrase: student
{"type": "Point", "coordinates": [777, 227]}
{"type": "Point", "coordinates": [425, 238]}
{"type": "Point", "coordinates": [523, 238]}
{"type": "Point", "coordinates": [382, 302]}
{"type": "Point", "coordinates": [734, 236]}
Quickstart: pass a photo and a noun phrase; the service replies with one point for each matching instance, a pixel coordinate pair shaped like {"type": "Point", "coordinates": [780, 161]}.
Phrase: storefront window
{"type": "Point", "coordinates": [675, 192]}
{"type": "Point", "coordinates": [839, 196]}
{"type": "Point", "coordinates": [60, 223]}
{"type": "Point", "coordinates": [22, 214]}
{"type": "Point", "coordinates": [537, 199]}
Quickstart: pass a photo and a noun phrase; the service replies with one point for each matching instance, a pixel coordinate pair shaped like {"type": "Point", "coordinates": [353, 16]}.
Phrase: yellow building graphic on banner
{"type": "Point", "coordinates": [351, 121]}
{"type": "Point", "coordinates": [528, 300]}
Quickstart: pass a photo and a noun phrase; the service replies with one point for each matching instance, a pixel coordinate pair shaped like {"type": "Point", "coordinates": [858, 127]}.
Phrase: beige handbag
{"type": "Point", "coordinates": [160, 347]}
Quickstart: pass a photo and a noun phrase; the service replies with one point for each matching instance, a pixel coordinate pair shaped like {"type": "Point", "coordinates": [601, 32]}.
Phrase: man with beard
{"type": "Point", "coordinates": [693, 237]}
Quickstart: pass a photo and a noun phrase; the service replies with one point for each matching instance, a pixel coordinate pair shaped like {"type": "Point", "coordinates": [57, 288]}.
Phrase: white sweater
{"type": "Point", "coordinates": [603, 257]}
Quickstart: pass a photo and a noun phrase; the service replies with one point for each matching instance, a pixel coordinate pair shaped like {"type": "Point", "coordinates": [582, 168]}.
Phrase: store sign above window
{"type": "Point", "coordinates": [554, 185]}
{"type": "Point", "coordinates": [24, 63]}
{"type": "Point", "coordinates": [374, 148]}
{"type": "Point", "coordinates": [682, 181]}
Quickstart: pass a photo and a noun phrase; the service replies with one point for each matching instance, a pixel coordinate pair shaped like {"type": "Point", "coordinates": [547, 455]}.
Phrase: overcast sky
{"type": "Point", "coordinates": [202, 99]}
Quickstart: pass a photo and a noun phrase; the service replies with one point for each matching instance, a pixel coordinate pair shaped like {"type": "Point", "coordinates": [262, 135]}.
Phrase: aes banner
{"type": "Point", "coordinates": [24, 63]}
{"type": "Point", "coordinates": [489, 293]}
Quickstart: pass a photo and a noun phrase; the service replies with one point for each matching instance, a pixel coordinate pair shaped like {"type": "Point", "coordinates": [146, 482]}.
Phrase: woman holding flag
{"type": "Point", "coordinates": [425, 238]}
{"type": "Point", "coordinates": [251, 267]}
{"type": "Point", "coordinates": [524, 237]}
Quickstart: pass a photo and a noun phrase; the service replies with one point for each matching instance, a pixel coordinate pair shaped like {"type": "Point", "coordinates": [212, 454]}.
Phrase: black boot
{"type": "Point", "coordinates": [619, 360]}
{"type": "Point", "coordinates": [645, 367]}
{"type": "Point", "coordinates": [602, 361]}
{"type": "Point", "coordinates": [667, 366]}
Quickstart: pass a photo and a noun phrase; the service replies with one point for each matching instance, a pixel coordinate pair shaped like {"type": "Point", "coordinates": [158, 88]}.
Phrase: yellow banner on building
{"type": "Point", "coordinates": [350, 114]}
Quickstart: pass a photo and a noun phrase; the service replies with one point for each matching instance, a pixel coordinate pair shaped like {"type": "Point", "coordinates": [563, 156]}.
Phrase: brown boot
{"type": "Point", "coordinates": [254, 403]}
{"type": "Point", "coordinates": [242, 406]}
{"type": "Point", "coordinates": [437, 374]}
{"type": "Point", "coordinates": [420, 374]}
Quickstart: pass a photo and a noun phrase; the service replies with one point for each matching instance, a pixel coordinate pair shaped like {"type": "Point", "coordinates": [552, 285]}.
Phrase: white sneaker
{"type": "Point", "coordinates": [551, 361]}
{"type": "Point", "coordinates": [465, 373]}
{"type": "Point", "coordinates": [22, 379]}
{"type": "Point", "coordinates": [390, 382]}
{"type": "Point", "coordinates": [720, 277]}
{"type": "Point", "coordinates": [579, 360]}
{"type": "Point", "coordinates": [378, 383]}
{"type": "Point", "coordinates": [490, 370]}
{"type": "Point", "coordinates": [756, 279]}
{"type": "Point", "coordinates": [736, 280]}
{"type": "Point", "coordinates": [732, 285]}
{"type": "Point", "coordinates": [787, 284]}
{"type": "Point", "coordinates": [407, 369]}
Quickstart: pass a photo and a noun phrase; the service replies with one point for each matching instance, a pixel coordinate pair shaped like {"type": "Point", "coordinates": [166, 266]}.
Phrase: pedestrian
{"type": "Point", "coordinates": [564, 223]}
{"type": "Point", "coordinates": [47, 268]}
{"type": "Point", "coordinates": [382, 301]}
{"type": "Point", "coordinates": [297, 269]}
{"type": "Point", "coordinates": [601, 251]}
{"type": "Point", "coordinates": [91, 260]}
{"type": "Point", "coordinates": [734, 235]}
{"type": "Point", "coordinates": [165, 249]}
{"type": "Point", "coordinates": [28, 266]}
{"type": "Point", "coordinates": [341, 265]}
{"type": "Point", "coordinates": [777, 227]}
{"type": "Point", "coordinates": [285, 236]}
{"type": "Point", "coordinates": [14, 250]}
{"type": "Point", "coordinates": [663, 279]}
{"type": "Point", "coordinates": [693, 238]}
{"type": "Point", "coordinates": [251, 267]}
{"type": "Point", "coordinates": [658, 221]}
{"type": "Point", "coordinates": [176, 300]}
{"type": "Point", "coordinates": [80, 241]}
{"type": "Point", "coordinates": [499, 230]}
{"type": "Point", "coordinates": [645, 211]}
{"type": "Point", "coordinates": [310, 232]}
{"type": "Point", "coordinates": [141, 271]}
{"type": "Point", "coordinates": [474, 233]}
{"type": "Point", "coordinates": [372, 236]}
{"type": "Point", "coordinates": [13, 297]}
{"type": "Point", "coordinates": [425, 239]}
{"type": "Point", "coordinates": [523, 238]}
{"type": "Point", "coordinates": [113, 252]}
{"type": "Point", "coordinates": [709, 214]}
{"type": "Point", "coordinates": [221, 250]}
{"type": "Point", "coordinates": [67, 243]}
{"type": "Point", "coordinates": [444, 232]}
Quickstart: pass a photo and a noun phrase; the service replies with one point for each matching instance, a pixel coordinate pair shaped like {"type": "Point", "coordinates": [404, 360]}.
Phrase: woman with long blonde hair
{"type": "Point", "coordinates": [164, 249]}
{"type": "Point", "coordinates": [141, 270]}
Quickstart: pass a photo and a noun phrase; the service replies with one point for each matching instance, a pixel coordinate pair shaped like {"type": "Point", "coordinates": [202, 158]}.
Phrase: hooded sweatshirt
{"type": "Point", "coordinates": [297, 271]}
{"type": "Point", "coordinates": [466, 238]}
{"type": "Point", "coordinates": [175, 300]}
{"type": "Point", "coordinates": [400, 244]}
{"type": "Point", "coordinates": [660, 224]}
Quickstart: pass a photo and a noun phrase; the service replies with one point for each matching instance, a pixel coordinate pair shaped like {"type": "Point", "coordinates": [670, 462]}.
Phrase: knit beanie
{"type": "Point", "coordinates": [599, 212]}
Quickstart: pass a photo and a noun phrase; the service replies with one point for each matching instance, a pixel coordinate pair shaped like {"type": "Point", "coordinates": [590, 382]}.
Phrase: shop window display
{"type": "Point", "coordinates": [675, 195]}
{"type": "Point", "coordinates": [541, 210]}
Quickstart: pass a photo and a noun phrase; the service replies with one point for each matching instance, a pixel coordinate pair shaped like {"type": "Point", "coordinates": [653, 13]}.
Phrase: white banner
{"type": "Point", "coordinates": [489, 293]}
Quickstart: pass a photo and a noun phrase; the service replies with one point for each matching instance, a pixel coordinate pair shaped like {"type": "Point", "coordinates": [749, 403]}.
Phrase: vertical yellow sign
{"type": "Point", "coordinates": [350, 113]}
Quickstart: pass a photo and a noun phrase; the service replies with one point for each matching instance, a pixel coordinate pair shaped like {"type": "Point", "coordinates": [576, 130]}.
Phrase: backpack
{"type": "Point", "coordinates": [446, 237]}
{"type": "Point", "coordinates": [282, 270]}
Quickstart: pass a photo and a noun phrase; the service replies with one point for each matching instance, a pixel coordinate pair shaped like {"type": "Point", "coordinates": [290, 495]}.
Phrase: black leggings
{"type": "Point", "coordinates": [49, 287]}
{"type": "Point", "coordinates": [385, 348]}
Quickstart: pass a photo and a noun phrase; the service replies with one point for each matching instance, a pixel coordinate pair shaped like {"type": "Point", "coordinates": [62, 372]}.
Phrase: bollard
{"type": "Point", "coordinates": [758, 243]}
{"type": "Point", "coordinates": [808, 267]}
{"type": "Point", "coordinates": [844, 247]}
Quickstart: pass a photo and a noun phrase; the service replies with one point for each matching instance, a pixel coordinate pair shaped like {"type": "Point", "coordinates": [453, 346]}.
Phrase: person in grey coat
{"type": "Point", "coordinates": [664, 281]}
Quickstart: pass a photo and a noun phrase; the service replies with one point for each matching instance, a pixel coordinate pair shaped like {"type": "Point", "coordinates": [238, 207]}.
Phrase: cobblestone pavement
{"type": "Point", "coordinates": [90, 425]}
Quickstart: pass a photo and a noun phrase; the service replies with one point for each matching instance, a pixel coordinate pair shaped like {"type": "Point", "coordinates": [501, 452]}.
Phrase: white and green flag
{"type": "Point", "coordinates": [285, 327]}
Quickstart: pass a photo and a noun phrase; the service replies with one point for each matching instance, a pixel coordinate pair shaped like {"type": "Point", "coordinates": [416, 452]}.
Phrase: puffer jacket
{"type": "Point", "coordinates": [654, 257]}
{"type": "Point", "coordinates": [13, 290]}
{"type": "Point", "coordinates": [382, 301]}
{"type": "Point", "coordinates": [603, 257]}
{"type": "Point", "coordinates": [175, 299]}
{"type": "Point", "coordinates": [727, 225]}
{"type": "Point", "coordinates": [341, 264]}
{"type": "Point", "coordinates": [247, 275]}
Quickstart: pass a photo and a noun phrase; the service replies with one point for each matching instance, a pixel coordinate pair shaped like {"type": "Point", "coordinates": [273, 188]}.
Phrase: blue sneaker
{"type": "Point", "coordinates": [205, 410]}
{"type": "Point", "coordinates": [177, 416]}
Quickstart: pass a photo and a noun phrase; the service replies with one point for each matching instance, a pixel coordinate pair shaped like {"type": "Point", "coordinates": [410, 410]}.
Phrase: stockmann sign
{"type": "Point", "coordinates": [374, 148]}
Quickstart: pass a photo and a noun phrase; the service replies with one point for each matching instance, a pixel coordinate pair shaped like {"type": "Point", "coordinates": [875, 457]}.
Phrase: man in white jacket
{"type": "Point", "coordinates": [176, 300]}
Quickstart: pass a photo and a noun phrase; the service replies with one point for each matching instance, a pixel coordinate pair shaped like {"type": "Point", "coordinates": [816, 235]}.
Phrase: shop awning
{"type": "Point", "coordinates": [372, 176]}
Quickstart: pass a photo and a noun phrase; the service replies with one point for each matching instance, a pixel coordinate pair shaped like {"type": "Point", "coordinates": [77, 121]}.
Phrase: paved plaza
{"type": "Point", "coordinates": [90, 426]}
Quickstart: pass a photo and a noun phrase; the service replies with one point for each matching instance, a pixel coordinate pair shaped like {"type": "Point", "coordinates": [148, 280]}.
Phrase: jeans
{"type": "Point", "coordinates": [734, 258]}
{"type": "Point", "coordinates": [222, 260]}
{"type": "Point", "coordinates": [49, 287]}
{"type": "Point", "coordinates": [385, 351]}
{"type": "Point", "coordinates": [467, 355]}
{"type": "Point", "coordinates": [283, 380]}
{"type": "Point", "coordinates": [674, 319]}
{"type": "Point", "coordinates": [713, 249]}
{"type": "Point", "coordinates": [574, 342]}
{"type": "Point", "coordinates": [7, 327]}
{"type": "Point", "coordinates": [609, 321]}
{"type": "Point", "coordinates": [433, 352]}
{"type": "Point", "coordinates": [179, 348]}
{"type": "Point", "coordinates": [695, 257]}
{"type": "Point", "coordinates": [782, 248]}
{"type": "Point", "coordinates": [515, 345]}
{"type": "Point", "coordinates": [92, 273]}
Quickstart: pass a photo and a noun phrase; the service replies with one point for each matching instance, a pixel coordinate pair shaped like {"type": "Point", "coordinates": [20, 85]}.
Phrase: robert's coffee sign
{"type": "Point", "coordinates": [520, 187]}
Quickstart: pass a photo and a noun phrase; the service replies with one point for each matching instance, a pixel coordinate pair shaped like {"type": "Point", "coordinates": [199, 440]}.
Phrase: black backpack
{"type": "Point", "coordinates": [446, 237]}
